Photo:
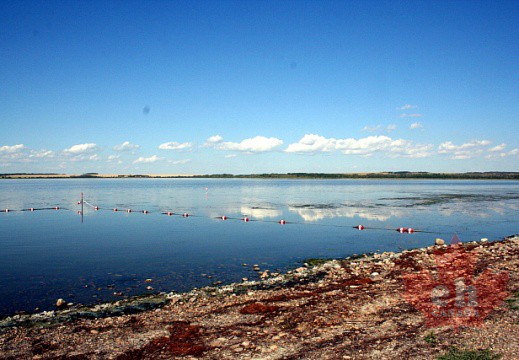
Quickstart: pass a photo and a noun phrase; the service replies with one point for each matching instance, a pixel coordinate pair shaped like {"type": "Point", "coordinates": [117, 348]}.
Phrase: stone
{"type": "Point", "coordinates": [149, 280]}
{"type": "Point", "coordinates": [61, 303]}
{"type": "Point", "coordinates": [439, 241]}
{"type": "Point", "coordinates": [484, 240]}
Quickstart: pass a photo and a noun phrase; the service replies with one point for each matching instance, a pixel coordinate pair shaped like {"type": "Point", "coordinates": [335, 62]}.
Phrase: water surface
{"type": "Point", "coordinates": [46, 255]}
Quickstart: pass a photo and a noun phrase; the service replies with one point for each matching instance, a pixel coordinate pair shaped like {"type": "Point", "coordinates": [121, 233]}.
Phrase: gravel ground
{"type": "Point", "coordinates": [341, 309]}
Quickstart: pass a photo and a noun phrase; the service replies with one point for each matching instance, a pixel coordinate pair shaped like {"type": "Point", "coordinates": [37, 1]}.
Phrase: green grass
{"type": "Point", "coordinates": [458, 354]}
{"type": "Point", "coordinates": [430, 338]}
{"type": "Point", "coordinates": [513, 301]}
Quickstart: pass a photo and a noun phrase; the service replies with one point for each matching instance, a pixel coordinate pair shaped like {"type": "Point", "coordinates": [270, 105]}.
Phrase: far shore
{"type": "Point", "coordinates": [490, 175]}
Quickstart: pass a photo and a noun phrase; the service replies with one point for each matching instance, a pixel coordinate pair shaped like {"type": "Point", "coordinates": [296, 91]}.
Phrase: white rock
{"type": "Point", "coordinates": [439, 241]}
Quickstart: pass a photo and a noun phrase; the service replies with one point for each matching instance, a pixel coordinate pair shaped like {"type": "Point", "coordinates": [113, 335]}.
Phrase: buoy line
{"type": "Point", "coordinates": [244, 218]}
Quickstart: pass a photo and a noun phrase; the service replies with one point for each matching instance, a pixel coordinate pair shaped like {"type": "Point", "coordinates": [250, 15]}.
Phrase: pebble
{"type": "Point", "coordinates": [60, 303]}
{"type": "Point", "coordinates": [149, 288]}
{"type": "Point", "coordinates": [149, 280]}
{"type": "Point", "coordinates": [484, 240]}
{"type": "Point", "coordinates": [94, 332]}
{"type": "Point", "coordinates": [244, 279]}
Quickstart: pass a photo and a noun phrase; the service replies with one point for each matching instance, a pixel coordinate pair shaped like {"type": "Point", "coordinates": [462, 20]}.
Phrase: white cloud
{"type": "Point", "coordinates": [173, 145]}
{"type": "Point", "coordinates": [41, 154]}
{"type": "Point", "coordinates": [215, 139]}
{"type": "Point", "coordinates": [389, 128]}
{"type": "Point", "coordinates": [252, 145]}
{"type": "Point", "coordinates": [113, 157]}
{"type": "Point", "coordinates": [147, 160]}
{"type": "Point", "coordinates": [229, 156]}
{"type": "Point", "coordinates": [180, 162]}
{"type": "Point", "coordinates": [407, 107]}
{"type": "Point", "coordinates": [415, 125]}
{"type": "Point", "coordinates": [463, 151]}
{"type": "Point", "coordinates": [410, 115]}
{"type": "Point", "coordinates": [371, 128]}
{"type": "Point", "coordinates": [495, 154]}
{"type": "Point", "coordinates": [212, 140]}
{"type": "Point", "coordinates": [312, 143]}
{"type": "Point", "coordinates": [126, 146]}
{"type": "Point", "coordinates": [497, 148]}
{"type": "Point", "coordinates": [12, 149]}
{"type": "Point", "coordinates": [81, 148]}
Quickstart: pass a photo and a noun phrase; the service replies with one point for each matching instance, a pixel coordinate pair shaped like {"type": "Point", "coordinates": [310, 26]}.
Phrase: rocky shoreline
{"type": "Point", "coordinates": [350, 308]}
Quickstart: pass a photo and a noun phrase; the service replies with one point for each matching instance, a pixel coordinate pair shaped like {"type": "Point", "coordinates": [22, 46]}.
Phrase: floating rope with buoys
{"type": "Point", "coordinates": [244, 218]}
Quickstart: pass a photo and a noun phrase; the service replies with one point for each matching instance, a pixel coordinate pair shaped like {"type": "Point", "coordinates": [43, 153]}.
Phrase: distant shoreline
{"type": "Point", "coordinates": [495, 175]}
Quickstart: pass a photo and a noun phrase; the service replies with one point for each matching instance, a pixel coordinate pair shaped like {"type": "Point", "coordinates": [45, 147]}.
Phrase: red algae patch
{"type": "Point", "coordinates": [258, 308]}
{"type": "Point", "coordinates": [184, 339]}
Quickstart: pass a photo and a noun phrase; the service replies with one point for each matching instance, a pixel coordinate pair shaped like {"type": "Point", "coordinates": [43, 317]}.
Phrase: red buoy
{"type": "Point", "coordinates": [169, 213]}
{"type": "Point", "coordinates": [56, 208]}
{"type": "Point", "coordinates": [129, 210]}
{"type": "Point", "coordinates": [115, 209]}
{"type": "Point", "coordinates": [405, 230]}
{"type": "Point", "coordinates": [224, 217]}
{"type": "Point", "coordinates": [185, 214]}
{"type": "Point", "coordinates": [144, 211]}
{"type": "Point", "coordinates": [6, 210]}
{"type": "Point", "coordinates": [96, 208]}
{"type": "Point", "coordinates": [410, 230]}
{"type": "Point", "coordinates": [31, 209]}
{"type": "Point", "coordinates": [79, 202]}
{"type": "Point", "coordinates": [246, 219]}
{"type": "Point", "coordinates": [282, 222]}
{"type": "Point", "coordinates": [359, 227]}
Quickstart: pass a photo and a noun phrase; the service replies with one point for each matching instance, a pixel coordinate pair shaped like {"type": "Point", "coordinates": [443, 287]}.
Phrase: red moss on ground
{"type": "Point", "coordinates": [258, 308]}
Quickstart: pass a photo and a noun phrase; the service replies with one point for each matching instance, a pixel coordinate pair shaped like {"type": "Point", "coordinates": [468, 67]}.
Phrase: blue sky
{"type": "Point", "coordinates": [258, 86]}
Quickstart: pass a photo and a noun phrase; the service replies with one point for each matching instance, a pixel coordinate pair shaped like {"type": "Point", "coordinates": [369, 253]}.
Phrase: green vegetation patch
{"type": "Point", "coordinates": [457, 354]}
{"type": "Point", "coordinates": [513, 302]}
{"type": "Point", "coordinates": [430, 338]}
{"type": "Point", "coordinates": [316, 261]}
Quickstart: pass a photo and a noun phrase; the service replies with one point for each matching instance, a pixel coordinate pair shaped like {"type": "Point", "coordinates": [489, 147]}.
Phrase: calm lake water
{"type": "Point", "coordinates": [46, 255]}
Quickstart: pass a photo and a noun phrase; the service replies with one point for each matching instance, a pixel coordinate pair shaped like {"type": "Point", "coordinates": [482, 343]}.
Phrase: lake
{"type": "Point", "coordinates": [106, 255]}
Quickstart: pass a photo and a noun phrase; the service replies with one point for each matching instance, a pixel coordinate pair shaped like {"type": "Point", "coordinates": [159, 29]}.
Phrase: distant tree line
{"type": "Point", "coordinates": [497, 175]}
